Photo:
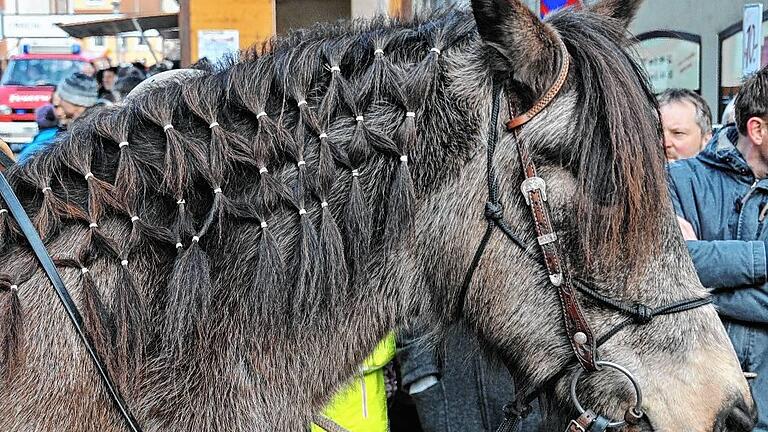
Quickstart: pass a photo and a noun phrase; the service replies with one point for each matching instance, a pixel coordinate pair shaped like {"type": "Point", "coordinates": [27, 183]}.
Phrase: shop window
{"type": "Point", "coordinates": [731, 76]}
{"type": "Point", "coordinates": [98, 41]}
{"type": "Point", "coordinates": [671, 59]}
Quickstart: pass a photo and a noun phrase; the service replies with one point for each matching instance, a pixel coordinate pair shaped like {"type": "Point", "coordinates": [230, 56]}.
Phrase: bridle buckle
{"type": "Point", "coordinates": [574, 426]}
{"type": "Point", "coordinates": [532, 184]}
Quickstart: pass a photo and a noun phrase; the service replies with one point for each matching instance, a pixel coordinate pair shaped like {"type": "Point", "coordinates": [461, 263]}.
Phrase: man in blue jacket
{"type": "Point", "coordinates": [721, 199]}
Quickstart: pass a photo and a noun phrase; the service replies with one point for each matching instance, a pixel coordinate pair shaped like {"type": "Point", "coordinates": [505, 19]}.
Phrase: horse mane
{"type": "Point", "coordinates": [617, 156]}
{"type": "Point", "coordinates": [302, 147]}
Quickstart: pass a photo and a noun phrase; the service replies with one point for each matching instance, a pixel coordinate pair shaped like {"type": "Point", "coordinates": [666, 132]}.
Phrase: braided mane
{"type": "Point", "coordinates": [301, 150]}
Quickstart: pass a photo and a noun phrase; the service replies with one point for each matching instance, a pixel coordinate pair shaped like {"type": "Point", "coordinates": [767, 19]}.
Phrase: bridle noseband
{"type": "Point", "coordinates": [580, 334]}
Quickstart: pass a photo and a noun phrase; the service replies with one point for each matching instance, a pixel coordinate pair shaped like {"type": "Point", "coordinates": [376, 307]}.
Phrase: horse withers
{"type": "Point", "coordinates": [239, 240]}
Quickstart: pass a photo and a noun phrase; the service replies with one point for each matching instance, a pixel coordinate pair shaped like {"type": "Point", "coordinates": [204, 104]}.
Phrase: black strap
{"type": "Point", "coordinates": [14, 206]}
{"type": "Point", "coordinates": [5, 161]}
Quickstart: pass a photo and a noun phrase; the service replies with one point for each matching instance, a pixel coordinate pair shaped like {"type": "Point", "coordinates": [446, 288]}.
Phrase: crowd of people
{"type": "Point", "coordinates": [79, 92]}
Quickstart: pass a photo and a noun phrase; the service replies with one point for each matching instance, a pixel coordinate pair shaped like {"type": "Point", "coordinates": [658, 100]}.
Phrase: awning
{"type": "Point", "coordinates": [112, 27]}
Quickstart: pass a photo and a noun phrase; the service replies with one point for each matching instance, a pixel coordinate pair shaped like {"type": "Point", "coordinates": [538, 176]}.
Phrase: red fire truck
{"type": "Point", "coordinates": [28, 82]}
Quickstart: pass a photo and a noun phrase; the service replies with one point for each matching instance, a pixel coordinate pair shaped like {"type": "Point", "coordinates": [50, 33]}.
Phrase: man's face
{"type": "Point", "coordinates": [682, 136]}
{"type": "Point", "coordinates": [108, 79]}
{"type": "Point", "coordinates": [65, 111]}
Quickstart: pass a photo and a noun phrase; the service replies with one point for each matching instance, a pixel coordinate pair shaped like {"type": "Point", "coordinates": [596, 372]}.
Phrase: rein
{"type": "Point", "coordinates": [66, 300]}
{"type": "Point", "coordinates": [580, 334]}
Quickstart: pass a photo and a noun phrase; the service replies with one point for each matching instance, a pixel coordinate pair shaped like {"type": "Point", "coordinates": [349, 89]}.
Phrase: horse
{"type": "Point", "coordinates": [240, 239]}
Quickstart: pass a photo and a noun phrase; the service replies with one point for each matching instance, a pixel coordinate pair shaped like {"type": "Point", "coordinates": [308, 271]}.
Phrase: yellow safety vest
{"type": "Point", "coordinates": [362, 405]}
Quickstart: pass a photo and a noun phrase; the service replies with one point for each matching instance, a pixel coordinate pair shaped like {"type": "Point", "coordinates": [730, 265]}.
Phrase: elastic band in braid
{"type": "Point", "coordinates": [167, 127]}
{"type": "Point", "coordinates": [195, 239]}
{"type": "Point", "coordinates": [84, 270]}
{"type": "Point", "coordinates": [260, 115]}
{"type": "Point", "coordinates": [93, 225]}
{"type": "Point", "coordinates": [47, 189]}
{"type": "Point", "coordinates": [355, 173]}
{"type": "Point", "coordinates": [264, 225]}
{"type": "Point", "coordinates": [3, 211]}
{"type": "Point", "coordinates": [301, 162]}
{"type": "Point", "coordinates": [404, 158]}
{"type": "Point", "coordinates": [263, 170]}
{"type": "Point", "coordinates": [179, 245]}
{"type": "Point", "coordinates": [88, 175]}
{"type": "Point", "coordinates": [302, 103]}
{"type": "Point", "coordinates": [181, 202]}
{"type": "Point", "coordinates": [217, 190]}
{"type": "Point", "coordinates": [335, 69]}
{"type": "Point", "coordinates": [435, 50]}
{"type": "Point", "coordinates": [359, 118]}
{"type": "Point", "coordinates": [302, 212]}
{"type": "Point", "coordinates": [378, 51]}
{"type": "Point", "coordinates": [324, 204]}
{"type": "Point", "coordinates": [323, 135]}
{"type": "Point", "coordinates": [14, 287]}
{"type": "Point", "coordinates": [124, 263]}
{"type": "Point", "coordinates": [134, 218]}
{"type": "Point", "coordinates": [213, 125]}
{"type": "Point", "coordinates": [123, 144]}
{"type": "Point", "coordinates": [410, 114]}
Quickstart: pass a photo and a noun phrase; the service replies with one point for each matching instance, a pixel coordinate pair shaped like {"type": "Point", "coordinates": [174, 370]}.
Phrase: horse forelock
{"type": "Point", "coordinates": [616, 155]}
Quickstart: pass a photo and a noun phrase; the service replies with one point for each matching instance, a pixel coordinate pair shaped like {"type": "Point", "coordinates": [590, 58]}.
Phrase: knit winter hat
{"type": "Point", "coordinates": [79, 89]}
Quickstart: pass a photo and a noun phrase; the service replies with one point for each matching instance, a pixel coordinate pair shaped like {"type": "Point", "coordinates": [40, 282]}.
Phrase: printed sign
{"type": "Point", "coordinates": [217, 44]}
{"type": "Point", "coordinates": [752, 47]}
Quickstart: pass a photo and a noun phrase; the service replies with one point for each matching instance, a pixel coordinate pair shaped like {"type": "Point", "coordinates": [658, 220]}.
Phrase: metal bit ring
{"type": "Point", "coordinates": [628, 374]}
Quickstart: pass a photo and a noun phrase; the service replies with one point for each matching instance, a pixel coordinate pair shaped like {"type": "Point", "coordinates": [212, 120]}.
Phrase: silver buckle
{"type": "Point", "coordinates": [533, 184]}
{"type": "Point", "coordinates": [547, 239]}
{"type": "Point", "coordinates": [577, 426]}
{"type": "Point", "coordinates": [556, 279]}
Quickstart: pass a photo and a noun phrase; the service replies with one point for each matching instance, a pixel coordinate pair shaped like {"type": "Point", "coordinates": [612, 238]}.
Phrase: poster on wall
{"type": "Point", "coordinates": [752, 39]}
{"type": "Point", "coordinates": [216, 45]}
{"type": "Point", "coordinates": [671, 62]}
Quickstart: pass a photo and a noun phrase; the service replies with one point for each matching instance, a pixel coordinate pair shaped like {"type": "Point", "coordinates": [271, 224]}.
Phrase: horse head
{"type": "Point", "coordinates": [597, 146]}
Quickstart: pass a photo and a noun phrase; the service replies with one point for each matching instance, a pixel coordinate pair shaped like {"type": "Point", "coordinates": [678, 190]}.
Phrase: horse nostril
{"type": "Point", "coordinates": [737, 418]}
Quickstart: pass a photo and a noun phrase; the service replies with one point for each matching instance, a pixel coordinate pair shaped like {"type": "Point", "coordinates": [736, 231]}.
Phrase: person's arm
{"type": "Point", "coordinates": [729, 263]}
{"type": "Point", "coordinates": [719, 263]}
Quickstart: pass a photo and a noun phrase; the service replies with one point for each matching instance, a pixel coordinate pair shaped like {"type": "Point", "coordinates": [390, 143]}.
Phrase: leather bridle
{"type": "Point", "coordinates": [580, 334]}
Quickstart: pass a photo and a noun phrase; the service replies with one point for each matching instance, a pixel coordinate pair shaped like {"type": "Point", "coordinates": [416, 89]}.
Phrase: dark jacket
{"type": "Point", "coordinates": [470, 392]}
{"type": "Point", "coordinates": [718, 194]}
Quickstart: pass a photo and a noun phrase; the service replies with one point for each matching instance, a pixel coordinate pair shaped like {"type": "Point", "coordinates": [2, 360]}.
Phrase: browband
{"type": "Point", "coordinates": [549, 96]}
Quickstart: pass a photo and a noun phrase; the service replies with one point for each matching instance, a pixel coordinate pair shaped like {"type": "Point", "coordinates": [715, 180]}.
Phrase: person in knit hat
{"type": "Point", "coordinates": [73, 96]}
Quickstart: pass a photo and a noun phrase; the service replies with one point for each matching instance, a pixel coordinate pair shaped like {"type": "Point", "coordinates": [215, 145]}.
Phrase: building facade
{"type": "Point", "coordinates": [33, 22]}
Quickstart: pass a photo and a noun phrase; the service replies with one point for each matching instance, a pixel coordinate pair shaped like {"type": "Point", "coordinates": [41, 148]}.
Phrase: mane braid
{"type": "Point", "coordinates": [306, 254]}
{"type": "Point", "coordinates": [12, 340]}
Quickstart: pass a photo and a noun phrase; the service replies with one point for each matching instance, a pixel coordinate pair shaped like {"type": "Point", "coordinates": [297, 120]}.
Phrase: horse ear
{"type": "Point", "coordinates": [621, 10]}
{"type": "Point", "coordinates": [526, 47]}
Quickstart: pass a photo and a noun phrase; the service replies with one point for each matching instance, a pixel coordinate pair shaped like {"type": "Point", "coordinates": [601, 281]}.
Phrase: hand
{"type": "Point", "coordinates": [687, 229]}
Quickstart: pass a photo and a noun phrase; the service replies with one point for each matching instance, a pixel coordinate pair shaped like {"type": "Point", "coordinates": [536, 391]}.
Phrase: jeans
{"type": "Point", "coordinates": [751, 345]}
